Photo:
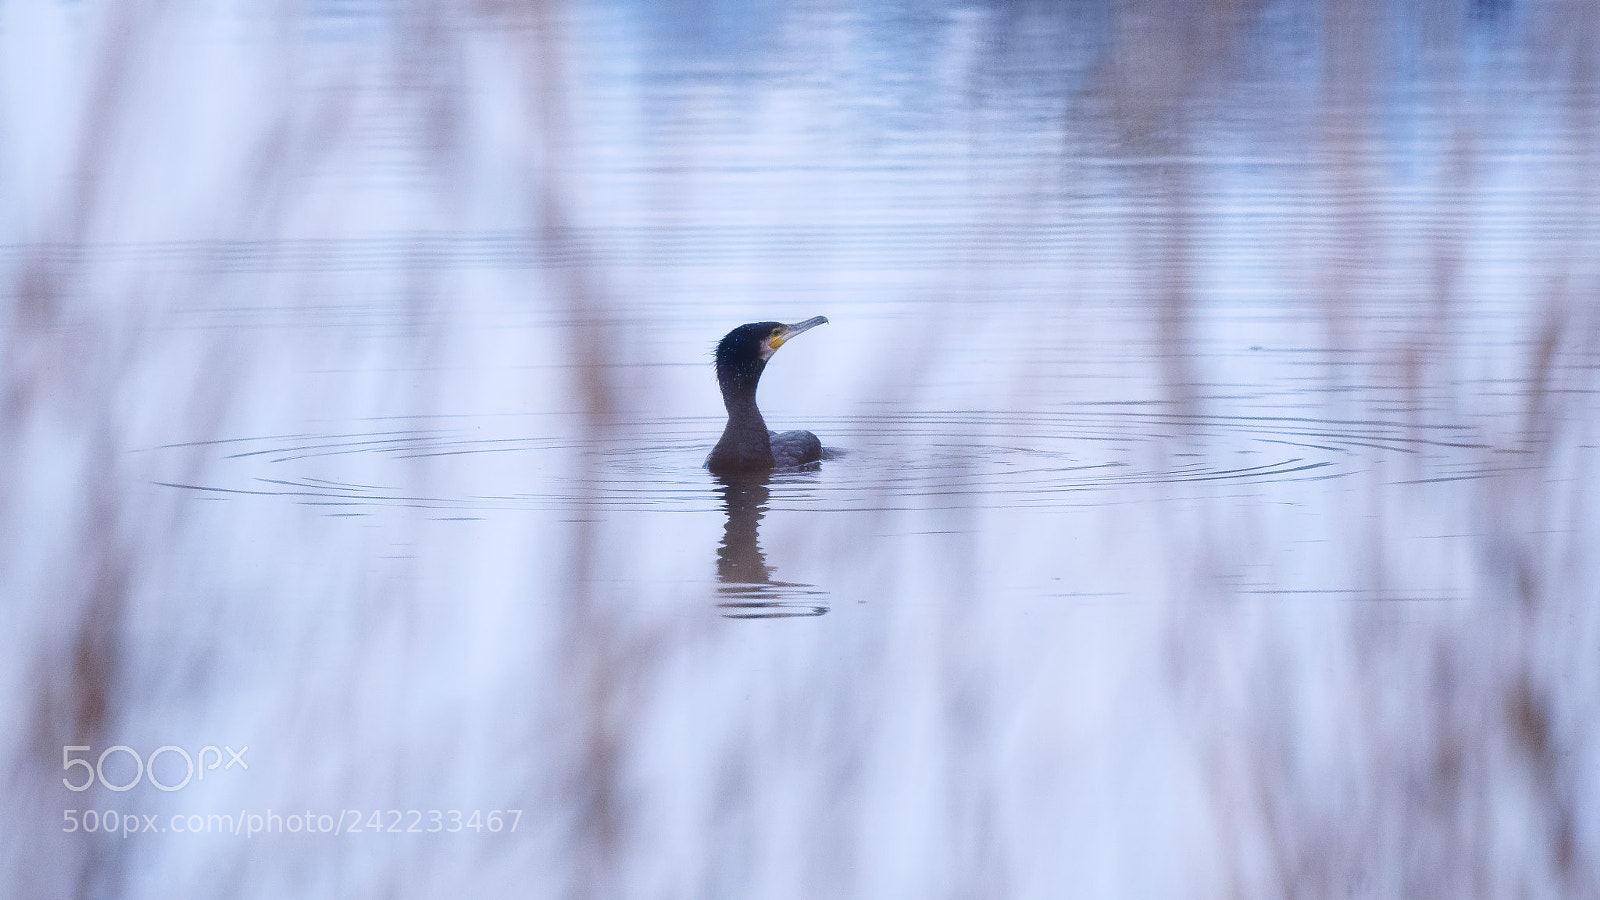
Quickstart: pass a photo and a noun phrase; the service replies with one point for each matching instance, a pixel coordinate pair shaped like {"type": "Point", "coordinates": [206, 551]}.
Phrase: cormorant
{"type": "Point", "coordinates": [746, 444]}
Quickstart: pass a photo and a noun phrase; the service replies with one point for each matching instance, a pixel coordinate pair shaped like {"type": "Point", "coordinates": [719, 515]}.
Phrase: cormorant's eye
{"type": "Point", "coordinates": [777, 331]}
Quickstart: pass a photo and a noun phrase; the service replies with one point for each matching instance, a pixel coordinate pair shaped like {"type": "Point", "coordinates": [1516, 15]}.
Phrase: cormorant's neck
{"type": "Point", "coordinates": [738, 383]}
{"type": "Point", "coordinates": [744, 446]}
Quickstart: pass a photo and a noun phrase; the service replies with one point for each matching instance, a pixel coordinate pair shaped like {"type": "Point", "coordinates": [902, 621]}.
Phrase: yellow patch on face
{"type": "Point", "coordinates": [775, 341]}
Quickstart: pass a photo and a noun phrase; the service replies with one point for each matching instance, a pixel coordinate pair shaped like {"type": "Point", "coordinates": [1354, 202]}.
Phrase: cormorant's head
{"type": "Point", "coordinates": [744, 352]}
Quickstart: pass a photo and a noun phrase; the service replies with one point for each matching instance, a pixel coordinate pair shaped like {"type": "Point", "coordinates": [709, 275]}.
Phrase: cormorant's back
{"type": "Point", "coordinates": [794, 448]}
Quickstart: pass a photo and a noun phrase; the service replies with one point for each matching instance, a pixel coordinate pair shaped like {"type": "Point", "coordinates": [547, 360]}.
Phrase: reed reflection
{"type": "Point", "coordinates": [747, 589]}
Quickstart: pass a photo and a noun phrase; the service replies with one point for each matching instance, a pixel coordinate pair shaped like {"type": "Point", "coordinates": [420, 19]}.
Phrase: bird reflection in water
{"type": "Point", "coordinates": [747, 589]}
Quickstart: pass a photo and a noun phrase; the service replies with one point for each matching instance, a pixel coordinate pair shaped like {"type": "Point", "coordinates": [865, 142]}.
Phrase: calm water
{"type": "Point", "coordinates": [1210, 398]}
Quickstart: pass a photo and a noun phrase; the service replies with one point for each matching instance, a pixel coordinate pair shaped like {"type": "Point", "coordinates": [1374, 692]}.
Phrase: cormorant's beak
{"type": "Point", "coordinates": [790, 331]}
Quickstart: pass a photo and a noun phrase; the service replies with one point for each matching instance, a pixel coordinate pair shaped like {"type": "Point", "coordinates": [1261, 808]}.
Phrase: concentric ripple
{"type": "Point", "coordinates": [771, 600]}
{"type": "Point", "coordinates": [902, 460]}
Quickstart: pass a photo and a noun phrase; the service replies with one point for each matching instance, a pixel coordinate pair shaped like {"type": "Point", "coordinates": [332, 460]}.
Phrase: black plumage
{"type": "Point", "coordinates": [746, 444]}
